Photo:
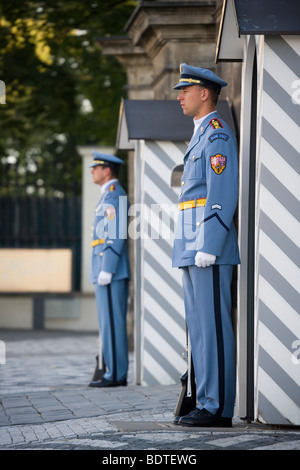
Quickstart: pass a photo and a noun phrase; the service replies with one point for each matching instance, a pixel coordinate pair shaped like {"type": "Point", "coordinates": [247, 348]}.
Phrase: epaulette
{"type": "Point", "coordinates": [216, 124]}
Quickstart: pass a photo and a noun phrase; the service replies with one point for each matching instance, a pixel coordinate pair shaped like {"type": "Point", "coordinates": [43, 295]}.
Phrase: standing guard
{"type": "Point", "coordinates": [206, 248]}
{"type": "Point", "coordinates": [110, 271]}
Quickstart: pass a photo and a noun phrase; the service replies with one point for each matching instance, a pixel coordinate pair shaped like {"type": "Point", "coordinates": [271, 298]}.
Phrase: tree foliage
{"type": "Point", "coordinates": [61, 91]}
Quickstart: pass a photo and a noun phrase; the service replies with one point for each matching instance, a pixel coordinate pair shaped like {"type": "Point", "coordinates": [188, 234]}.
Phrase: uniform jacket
{"type": "Point", "coordinates": [210, 177]}
{"type": "Point", "coordinates": [109, 235]}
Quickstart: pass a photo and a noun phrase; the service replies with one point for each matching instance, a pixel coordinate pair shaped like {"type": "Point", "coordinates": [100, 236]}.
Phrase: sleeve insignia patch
{"type": "Point", "coordinates": [110, 212]}
{"type": "Point", "coordinates": [216, 206]}
{"type": "Point", "coordinates": [218, 135]}
{"type": "Point", "coordinates": [216, 124]}
{"type": "Point", "coordinates": [218, 163]}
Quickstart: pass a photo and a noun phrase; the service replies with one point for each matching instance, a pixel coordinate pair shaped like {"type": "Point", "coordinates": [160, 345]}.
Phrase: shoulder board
{"type": "Point", "coordinates": [112, 187]}
{"type": "Point", "coordinates": [216, 123]}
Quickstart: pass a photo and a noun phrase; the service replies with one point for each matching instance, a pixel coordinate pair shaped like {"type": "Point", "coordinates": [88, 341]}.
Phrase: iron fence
{"type": "Point", "coordinates": [41, 208]}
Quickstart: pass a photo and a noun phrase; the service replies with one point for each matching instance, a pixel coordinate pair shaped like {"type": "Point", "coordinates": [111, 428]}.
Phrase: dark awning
{"type": "Point", "coordinates": [158, 120]}
{"type": "Point", "coordinates": [152, 120]}
{"type": "Point", "coordinates": [268, 16]}
{"type": "Point", "coordinates": [255, 17]}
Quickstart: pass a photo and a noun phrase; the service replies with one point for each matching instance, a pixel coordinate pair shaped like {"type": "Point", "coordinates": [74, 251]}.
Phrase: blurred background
{"type": "Point", "coordinates": [61, 92]}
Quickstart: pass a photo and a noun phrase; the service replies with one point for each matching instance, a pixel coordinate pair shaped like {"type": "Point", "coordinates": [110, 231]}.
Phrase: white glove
{"type": "Point", "coordinates": [202, 260]}
{"type": "Point", "coordinates": [104, 278]}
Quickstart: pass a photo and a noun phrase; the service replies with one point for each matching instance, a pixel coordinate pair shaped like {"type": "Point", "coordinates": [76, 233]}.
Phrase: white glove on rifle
{"type": "Point", "coordinates": [104, 278]}
{"type": "Point", "coordinates": [202, 260]}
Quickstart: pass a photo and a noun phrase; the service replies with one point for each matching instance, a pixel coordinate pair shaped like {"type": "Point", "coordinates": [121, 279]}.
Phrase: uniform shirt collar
{"type": "Point", "coordinates": [198, 122]}
{"type": "Point", "coordinates": [107, 184]}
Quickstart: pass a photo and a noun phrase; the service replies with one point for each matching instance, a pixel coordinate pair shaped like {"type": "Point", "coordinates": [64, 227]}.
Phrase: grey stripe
{"type": "Point", "coordinates": [161, 272]}
{"type": "Point", "coordinates": [280, 377]}
{"type": "Point", "coordinates": [283, 147]}
{"type": "Point", "coordinates": [149, 201]}
{"type": "Point", "coordinates": [161, 183]}
{"type": "Point", "coordinates": [280, 96]}
{"type": "Point", "coordinates": [160, 357]}
{"type": "Point", "coordinates": [286, 53]}
{"type": "Point", "coordinates": [164, 246]}
{"type": "Point", "coordinates": [169, 338]}
{"type": "Point", "coordinates": [276, 326]}
{"type": "Point", "coordinates": [280, 192]}
{"type": "Point", "coordinates": [149, 378]}
{"type": "Point", "coordinates": [287, 292]}
{"type": "Point", "coordinates": [279, 238]}
{"type": "Point", "coordinates": [269, 413]}
{"type": "Point", "coordinates": [182, 147]}
{"type": "Point", "coordinates": [164, 304]}
{"type": "Point", "coordinates": [159, 152]}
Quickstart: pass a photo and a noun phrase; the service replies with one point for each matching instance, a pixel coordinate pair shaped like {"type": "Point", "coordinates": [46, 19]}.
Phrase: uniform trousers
{"type": "Point", "coordinates": [207, 300]}
{"type": "Point", "coordinates": [111, 303]}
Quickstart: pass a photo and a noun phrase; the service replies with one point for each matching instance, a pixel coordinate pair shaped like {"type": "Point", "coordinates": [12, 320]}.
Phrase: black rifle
{"type": "Point", "coordinates": [100, 364]}
{"type": "Point", "coordinates": [187, 398]}
{"type": "Point", "coordinates": [99, 370]}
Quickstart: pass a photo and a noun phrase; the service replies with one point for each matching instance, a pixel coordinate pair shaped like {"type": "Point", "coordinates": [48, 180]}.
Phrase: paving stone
{"type": "Point", "coordinates": [47, 404]}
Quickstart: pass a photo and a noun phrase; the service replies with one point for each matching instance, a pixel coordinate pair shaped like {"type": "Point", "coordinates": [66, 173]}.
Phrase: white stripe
{"type": "Point", "coordinates": [279, 215]}
{"type": "Point", "coordinates": [279, 70]}
{"type": "Point", "coordinates": [175, 330]}
{"type": "Point", "coordinates": [155, 369]}
{"type": "Point", "coordinates": [173, 151]}
{"type": "Point", "coordinates": [278, 352]}
{"type": "Point", "coordinates": [281, 121]}
{"type": "Point", "coordinates": [157, 194]}
{"type": "Point", "coordinates": [163, 259]}
{"type": "Point", "coordinates": [283, 311]}
{"type": "Point", "coordinates": [159, 221]}
{"type": "Point", "coordinates": [293, 42]}
{"type": "Point", "coordinates": [158, 164]}
{"type": "Point", "coordinates": [155, 251]}
{"type": "Point", "coordinates": [278, 259]}
{"type": "Point", "coordinates": [280, 168]}
{"type": "Point", "coordinates": [278, 398]}
{"type": "Point", "coordinates": [172, 356]}
{"type": "Point", "coordinates": [173, 298]}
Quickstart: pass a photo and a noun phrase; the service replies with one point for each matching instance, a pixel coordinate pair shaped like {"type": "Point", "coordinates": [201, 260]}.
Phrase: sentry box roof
{"type": "Point", "coordinates": [255, 17]}
{"type": "Point", "coordinates": [158, 120]}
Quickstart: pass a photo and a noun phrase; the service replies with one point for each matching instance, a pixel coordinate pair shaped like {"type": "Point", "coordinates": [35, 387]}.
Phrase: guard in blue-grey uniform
{"type": "Point", "coordinates": [206, 248]}
{"type": "Point", "coordinates": [110, 271]}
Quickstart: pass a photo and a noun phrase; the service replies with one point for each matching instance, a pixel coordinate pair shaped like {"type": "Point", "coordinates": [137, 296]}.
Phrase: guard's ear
{"type": "Point", "coordinates": [204, 94]}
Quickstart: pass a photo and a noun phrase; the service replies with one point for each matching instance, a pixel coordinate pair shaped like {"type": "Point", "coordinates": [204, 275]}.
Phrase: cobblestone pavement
{"type": "Point", "coordinates": [45, 403]}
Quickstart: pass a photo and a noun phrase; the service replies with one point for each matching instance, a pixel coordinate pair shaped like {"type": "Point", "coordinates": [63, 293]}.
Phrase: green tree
{"type": "Point", "coordinates": [61, 91]}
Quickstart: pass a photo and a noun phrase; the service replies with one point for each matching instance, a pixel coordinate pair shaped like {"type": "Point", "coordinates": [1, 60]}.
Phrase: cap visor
{"type": "Point", "coordinates": [183, 84]}
{"type": "Point", "coordinates": [95, 164]}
